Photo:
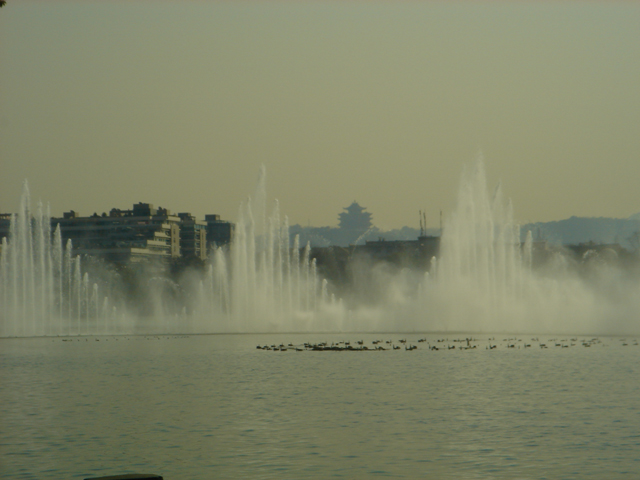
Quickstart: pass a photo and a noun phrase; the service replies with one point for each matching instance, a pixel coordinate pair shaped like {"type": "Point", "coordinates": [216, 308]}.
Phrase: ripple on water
{"type": "Point", "coordinates": [200, 409]}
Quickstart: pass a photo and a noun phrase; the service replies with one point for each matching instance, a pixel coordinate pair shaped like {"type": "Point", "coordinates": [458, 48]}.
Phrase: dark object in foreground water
{"type": "Point", "coordinates": [131, 476]}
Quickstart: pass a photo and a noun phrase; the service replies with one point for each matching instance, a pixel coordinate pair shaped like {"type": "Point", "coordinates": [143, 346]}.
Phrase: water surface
{"type": "Point", "coordinates": [212, 407]}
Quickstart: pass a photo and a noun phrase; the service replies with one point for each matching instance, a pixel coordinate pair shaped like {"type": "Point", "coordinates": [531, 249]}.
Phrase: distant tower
{"type": "Point", "coordinates": [355, 218]}
{"type": "Point", "coordinates": [354, 223]}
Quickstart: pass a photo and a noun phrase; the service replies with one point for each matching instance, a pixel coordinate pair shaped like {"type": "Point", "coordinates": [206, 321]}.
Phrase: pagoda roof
{"type": "Point", "coordinates": [355, 207]}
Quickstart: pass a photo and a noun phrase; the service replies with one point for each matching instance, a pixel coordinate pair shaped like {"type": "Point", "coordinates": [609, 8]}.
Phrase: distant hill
{"type": "Point", "coordinates": [577, 230]}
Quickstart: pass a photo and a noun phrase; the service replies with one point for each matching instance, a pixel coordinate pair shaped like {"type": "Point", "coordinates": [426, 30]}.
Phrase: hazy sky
{"type": "Point", "coordinates": [104, 104]}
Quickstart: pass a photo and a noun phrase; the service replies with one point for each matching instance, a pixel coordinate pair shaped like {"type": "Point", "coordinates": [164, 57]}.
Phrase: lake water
{"type": "Point", "coordinates": [215, 407]}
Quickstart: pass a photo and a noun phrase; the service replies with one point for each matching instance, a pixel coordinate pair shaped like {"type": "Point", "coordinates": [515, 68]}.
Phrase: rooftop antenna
{"type": "Point", "coordinates": [422, 227]}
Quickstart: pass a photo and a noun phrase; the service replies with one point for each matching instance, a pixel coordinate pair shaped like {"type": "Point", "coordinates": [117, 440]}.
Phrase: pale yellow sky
{"type": "Point", "coordinates": [104, 104]}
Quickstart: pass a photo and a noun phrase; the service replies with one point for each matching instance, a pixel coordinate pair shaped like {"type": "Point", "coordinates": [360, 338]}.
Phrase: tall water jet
{"type": "Point", "coordinates": [260, 283]}
{"type": "Point", "coordinates": [41, 293]}
{"type": "Point", "coordinates": [257, 283]}
{"type": "Point", "coordinates": [481, 245]}
{"type": "Point", "coordinates": [484, 279]}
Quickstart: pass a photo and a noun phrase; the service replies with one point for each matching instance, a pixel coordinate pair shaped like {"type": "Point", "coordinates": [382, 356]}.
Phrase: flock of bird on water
{"type": "Point", "coordinates": [468, 343]}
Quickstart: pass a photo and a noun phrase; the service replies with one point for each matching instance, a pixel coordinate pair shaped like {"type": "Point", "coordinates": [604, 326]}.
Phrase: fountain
{"type": "Point", "coordinates": [483, 281]}
{"type": "Point", "coordinates": [42, 288]}
{"type": "Point", "coordinates": [263, 284]}
{"type": "Point", "coordinates": [260, 283]}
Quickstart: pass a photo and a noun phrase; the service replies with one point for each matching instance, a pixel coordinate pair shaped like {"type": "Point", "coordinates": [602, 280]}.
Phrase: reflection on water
{"type": "Point", "coordinates": [205, 407]}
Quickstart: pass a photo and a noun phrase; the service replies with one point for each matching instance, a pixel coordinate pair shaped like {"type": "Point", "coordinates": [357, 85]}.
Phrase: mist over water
{"type": "Point", "coordinates": [484, 280]}
{"type": "Point", "coordinates": [261, 282]}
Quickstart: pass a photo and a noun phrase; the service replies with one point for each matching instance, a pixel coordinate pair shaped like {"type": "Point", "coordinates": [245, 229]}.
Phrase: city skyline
{"type": "Point", "coordinates": [180, 105]}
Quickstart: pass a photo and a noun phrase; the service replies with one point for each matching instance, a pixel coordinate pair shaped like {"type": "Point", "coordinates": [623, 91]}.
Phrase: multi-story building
{"type": "Point", "coordinates": [193, 237]}
{"type": "Point", "coordinates": [5, 225]}
{"type": "Point", "coordinates": [141, 233]}
{"type": "Point", "coordinates": [219, 232]}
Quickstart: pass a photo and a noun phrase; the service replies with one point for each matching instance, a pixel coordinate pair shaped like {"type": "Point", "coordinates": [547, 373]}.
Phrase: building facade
{"type": "Point", "coordinates": [193, 237]}
{"type": "Point", "coordinates": [142, 233]}
{"type": "Point", "coordinates": [219, 232]}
